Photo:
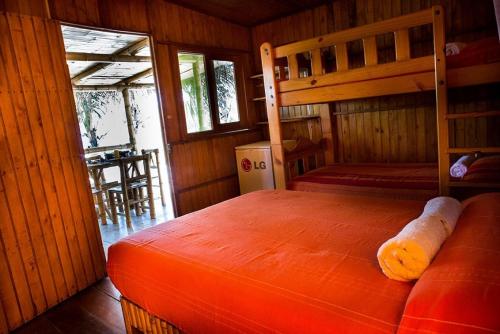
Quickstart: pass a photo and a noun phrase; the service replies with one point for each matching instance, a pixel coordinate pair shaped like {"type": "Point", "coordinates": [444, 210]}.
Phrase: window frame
{"type": "Point", "coordinates": [239, 58]}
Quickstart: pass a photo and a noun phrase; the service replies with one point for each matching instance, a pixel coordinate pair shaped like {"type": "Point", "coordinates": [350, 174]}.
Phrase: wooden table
{"type": "Point", "coordinates": [96, 171]}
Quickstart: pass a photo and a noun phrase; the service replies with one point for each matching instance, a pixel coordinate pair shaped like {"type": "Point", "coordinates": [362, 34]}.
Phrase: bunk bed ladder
{"type": "Point", "coordinates": [441, 99]}
{"type": "Point", "coordinates": [273, 115]}
{"type": "Point", "coordinates": [443, 117]}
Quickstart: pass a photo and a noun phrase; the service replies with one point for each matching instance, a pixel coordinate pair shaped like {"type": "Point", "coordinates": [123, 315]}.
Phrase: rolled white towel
{"type": "Point", "coordinates": [455, 48]}
{"type": "Point", "coordinates": [459, 168]}
{"type": "Point", "coordinates": [447, 209]}
{"type": "Point", "coordinates": [406, 256]}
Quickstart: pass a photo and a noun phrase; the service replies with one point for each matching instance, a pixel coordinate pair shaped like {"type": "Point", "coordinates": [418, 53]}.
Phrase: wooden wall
{"type": "Point", "coordinates": [170, 26]}
{"type": "Point", "coordinates": [50, 245]}
{"type": "Point", "coordinates": [398, 128]}
{"type": "Point", "coordinates": [206, 170]}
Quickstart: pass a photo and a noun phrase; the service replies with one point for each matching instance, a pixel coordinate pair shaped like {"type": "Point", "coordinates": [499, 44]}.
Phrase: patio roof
{"type": "Point", "coordinates": [107, 60]}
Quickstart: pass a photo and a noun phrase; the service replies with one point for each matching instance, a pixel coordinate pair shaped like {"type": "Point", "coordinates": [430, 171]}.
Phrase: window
{"type": "Point", "coordinates": [195, 92]}
{"type": "Point", "coordinates": [209, 92]}
{"type": "Point", "coordinates": [225, 82]}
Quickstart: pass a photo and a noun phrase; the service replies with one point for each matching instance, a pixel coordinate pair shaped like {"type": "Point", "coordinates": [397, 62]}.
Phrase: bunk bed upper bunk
{"type": "Point", "coordinates": [404, 75]}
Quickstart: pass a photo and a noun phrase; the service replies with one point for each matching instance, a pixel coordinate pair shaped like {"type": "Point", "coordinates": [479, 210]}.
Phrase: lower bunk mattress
{"type": "Point", "coordinates": [295, 262]}
{"type": "Point", "coordinates": [396, 180]}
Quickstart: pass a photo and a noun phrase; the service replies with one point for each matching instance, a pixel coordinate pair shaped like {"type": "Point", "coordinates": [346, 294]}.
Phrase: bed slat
{"type": "Point", "coordinates": [293, 67]}
{"type": "Point", "coordinates": [341, 57]}
{"type": "Point", "coordinates": [316, 62]}
{"type": "Point", "coordinates": [402, 42]}
{"type": "Point", "coordinates": [370, 50]}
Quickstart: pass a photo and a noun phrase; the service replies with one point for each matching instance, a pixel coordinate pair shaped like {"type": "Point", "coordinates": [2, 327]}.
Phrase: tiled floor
{"type": "Point", "coordinates": [113, 232]}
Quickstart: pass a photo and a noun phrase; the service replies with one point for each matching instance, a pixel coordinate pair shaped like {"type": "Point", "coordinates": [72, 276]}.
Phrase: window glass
{"type": "Point", "coordinates": [195, 92]}
{"type": "Point", "coordinates": [225, 82]}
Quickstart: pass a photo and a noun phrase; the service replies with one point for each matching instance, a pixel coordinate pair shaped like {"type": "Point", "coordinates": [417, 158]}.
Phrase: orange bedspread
{"type": "Point", "coordinates": [269, 261]}
{"type": "Point", "coordinates": [396, 180]}
{"type": "Point", "coordinates": [460, 291]}
{"type": "Point", "coordinates": [483, 51]}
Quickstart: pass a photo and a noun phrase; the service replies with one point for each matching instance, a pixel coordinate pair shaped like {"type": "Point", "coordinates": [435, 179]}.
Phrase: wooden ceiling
{"type": "Point", "coordinates": [248, 12]}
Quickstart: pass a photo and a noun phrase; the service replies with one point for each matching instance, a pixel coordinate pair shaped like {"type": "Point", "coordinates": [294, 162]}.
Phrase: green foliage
{"type": "Point", "coordinates": [92, 106]}
{"type": "Point", "coordinates": [196, 99]}
{"type": "Point", "coordinates": [138, 121]}
{"type": "Point", "coordinates": [225, 85]}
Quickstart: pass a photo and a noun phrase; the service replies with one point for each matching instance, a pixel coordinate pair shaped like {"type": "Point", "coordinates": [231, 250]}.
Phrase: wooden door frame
{"type": "Point", "coordinates": [152, 48]}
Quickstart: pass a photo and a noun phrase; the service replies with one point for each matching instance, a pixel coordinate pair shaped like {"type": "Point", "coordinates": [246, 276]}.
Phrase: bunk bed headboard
{"type": "Point", "coordinates": [404, 75]}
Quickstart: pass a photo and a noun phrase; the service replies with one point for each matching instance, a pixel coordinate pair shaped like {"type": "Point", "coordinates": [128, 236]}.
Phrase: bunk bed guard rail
{"type": "Point", "coordinates": [404, 75]}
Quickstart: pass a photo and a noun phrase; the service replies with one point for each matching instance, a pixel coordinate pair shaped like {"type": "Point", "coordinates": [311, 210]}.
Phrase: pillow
{"type": "Point", "coordinates": [460, 291]}
{"type": "Point", "coordinates": [485, 169]}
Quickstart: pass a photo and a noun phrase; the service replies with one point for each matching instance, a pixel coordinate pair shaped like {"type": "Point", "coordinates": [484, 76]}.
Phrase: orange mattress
{"type": "Point", "coordinates": [397, 180]}
{"type": "Point", "coordinates": [269, 261]}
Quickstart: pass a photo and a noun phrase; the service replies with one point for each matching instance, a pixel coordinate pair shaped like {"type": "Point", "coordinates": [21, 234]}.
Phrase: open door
{"type": "Point", "coordinates": [50, 246]}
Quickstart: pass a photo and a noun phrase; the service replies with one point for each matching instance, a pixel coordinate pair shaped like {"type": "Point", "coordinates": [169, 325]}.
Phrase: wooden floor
{"type": "Point", "coordinates": [94, 310]}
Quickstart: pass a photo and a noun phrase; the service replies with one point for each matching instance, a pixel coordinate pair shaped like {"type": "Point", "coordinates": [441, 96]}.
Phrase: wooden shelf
{"type": "Point", "coordinates": [290, 120]}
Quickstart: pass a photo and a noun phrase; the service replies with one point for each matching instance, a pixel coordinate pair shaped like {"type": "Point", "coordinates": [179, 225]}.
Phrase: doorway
{"type": "Point", "coordinates": [117, 106]}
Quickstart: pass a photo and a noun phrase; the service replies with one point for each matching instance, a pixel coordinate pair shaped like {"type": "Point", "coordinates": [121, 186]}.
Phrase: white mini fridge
{"type": "Point", "coordinates": [255, 165]}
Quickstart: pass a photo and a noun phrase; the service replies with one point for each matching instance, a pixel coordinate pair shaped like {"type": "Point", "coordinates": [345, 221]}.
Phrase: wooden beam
{"type": "Point", "coordinates": [136, 77]}
{"type": "Point", "coordinates": [106, 58]}
{"type": "Point", "coordinates": [410, 83]}
{"type": "Point", "coordinates": [341, 57]}
{"type": "Point", "coordinates": [370, 51]}
{"type": "Point", "coordinates": [417, 65]}
{"type": "Point", "coordinates": [134, 48]}
{"type": "Point", "coordinates": [273, 116]}
{"type": "Point", "coordinates": [88, 72]}
{"type": "Point", "coordinates": [130, 50]}
{"type": "Point", "coordinates": [113, 87]}
{"type": "Point", "coordinates": [402, 41]}
{"type": "Point", "coordinates": [293, 67]}
{"type": "Point", "coordinates": [438, 16]}
{"type": "Point", "coordinates": [327, 133]}
{"type": "Point", "coordinates": [344, 36]}
{"type": "Point", "coordinates": [130, 120]}
{"type": "Point", "coordinates": [473, 75]}
{"type": "Point", "coordinates": [316, 62]}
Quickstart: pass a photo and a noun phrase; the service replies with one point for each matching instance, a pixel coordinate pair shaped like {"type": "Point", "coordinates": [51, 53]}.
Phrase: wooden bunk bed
{"type": "Point", "coordinates": [199, 273]}
{"type": "Point", "coordinates": [404, 75]}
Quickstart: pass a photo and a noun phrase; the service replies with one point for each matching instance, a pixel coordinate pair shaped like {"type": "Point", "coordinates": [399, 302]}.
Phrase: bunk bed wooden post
{"type": "Point", "coordinates": [327, 133]}
{"type": "Point", "coordinates": [273, 116]}
{"type": "Point", "coordinates": [441, 99]}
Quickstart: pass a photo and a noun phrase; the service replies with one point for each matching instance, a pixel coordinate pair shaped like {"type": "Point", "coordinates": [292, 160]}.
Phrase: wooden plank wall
{"type": "Point", "coordinates": [398, 128]}
{"type": "Point", "coordinates": [170, 26]}
{"type": "Point", "coordinates": [50, 245]}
